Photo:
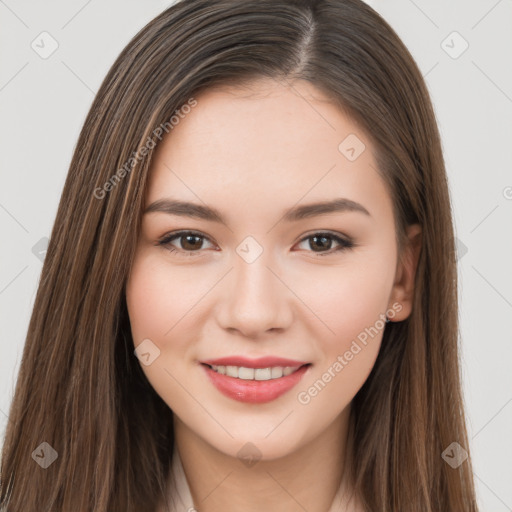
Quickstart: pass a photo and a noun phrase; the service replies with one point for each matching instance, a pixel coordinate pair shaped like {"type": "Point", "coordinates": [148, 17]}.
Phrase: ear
{"type": "Point", "coordinates": [403, 287]}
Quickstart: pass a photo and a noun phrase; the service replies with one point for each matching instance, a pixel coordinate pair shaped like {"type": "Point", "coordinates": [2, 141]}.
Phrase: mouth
{"type": "Point", "coordinates": [254, 385]}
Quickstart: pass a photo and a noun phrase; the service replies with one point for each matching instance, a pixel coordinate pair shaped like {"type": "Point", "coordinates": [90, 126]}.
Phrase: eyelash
{"type": "Point", "coordinates": [166, 240]}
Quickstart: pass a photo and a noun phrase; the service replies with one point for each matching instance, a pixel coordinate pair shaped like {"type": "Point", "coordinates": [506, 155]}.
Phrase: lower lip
{"type": "Point", "coordinates": [254, 391]}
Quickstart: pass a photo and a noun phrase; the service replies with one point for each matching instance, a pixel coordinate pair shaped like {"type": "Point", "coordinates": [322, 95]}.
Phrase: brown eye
{"type": "Point", "coordinates": [189, 242]}
{"type": "Point", "coordinates": [322, 243]}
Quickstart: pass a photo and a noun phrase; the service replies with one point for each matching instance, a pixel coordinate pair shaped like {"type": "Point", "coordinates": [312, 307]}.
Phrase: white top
{"type": "Point", "coordinates": [184, 500]}
{"type": "Point", "coordinates": [181, 493]}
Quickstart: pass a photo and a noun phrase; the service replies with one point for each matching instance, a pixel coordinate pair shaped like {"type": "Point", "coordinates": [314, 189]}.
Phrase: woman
{"type": "Point", "coordinates": [305, 357]}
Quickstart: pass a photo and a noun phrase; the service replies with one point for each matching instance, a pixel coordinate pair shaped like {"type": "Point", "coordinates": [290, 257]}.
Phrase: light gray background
{"type": "Point", "coordinates": [44, 102]}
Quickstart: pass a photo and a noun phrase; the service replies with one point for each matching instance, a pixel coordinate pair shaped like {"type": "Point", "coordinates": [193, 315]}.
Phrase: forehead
{"type": "Point", "coordinates": [284, 119]}
{"type": "Point", "coordinates": [269, 141]}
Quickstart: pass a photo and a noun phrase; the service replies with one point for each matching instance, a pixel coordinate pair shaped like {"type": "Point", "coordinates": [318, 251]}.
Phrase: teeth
{"type": "Point", "coordinates": [240, 372]}
{"type": "Point", "coordinates": [231, 371]}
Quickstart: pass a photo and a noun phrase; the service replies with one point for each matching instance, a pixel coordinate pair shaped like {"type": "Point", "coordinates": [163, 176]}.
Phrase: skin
{"type": "Point", "coordinates": [252, 153]}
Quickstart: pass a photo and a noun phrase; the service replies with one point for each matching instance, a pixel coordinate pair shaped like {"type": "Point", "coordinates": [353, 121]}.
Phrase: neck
{"type": "Point", "coordinates": [310, 478]}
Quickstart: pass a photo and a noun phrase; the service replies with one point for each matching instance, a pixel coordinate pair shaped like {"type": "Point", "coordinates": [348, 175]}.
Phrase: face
{"type": "Point", "coordinates": [257, 280]}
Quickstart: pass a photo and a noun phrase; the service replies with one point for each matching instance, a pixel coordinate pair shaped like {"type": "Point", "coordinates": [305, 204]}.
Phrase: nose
{"type": "Point", "coordinates": [255, 299]}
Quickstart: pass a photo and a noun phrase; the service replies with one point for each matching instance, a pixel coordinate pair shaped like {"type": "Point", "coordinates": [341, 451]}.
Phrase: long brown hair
{"type": "Point", "coordinates": [80, 387]}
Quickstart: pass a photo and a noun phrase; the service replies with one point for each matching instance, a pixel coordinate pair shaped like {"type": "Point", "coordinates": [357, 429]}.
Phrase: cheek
{"type": "Point", "coordinates": [348, 299]}
{"type": "Point", "coordinates": [156, 309]}
{"type": "Point", "coordinates": [152, 296]}
{"type": "Point", "coordinates": [353, 305]}
{"type": "Point", "coordinates": [165, 304]}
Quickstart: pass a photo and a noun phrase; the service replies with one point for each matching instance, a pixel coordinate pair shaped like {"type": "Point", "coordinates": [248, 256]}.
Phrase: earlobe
{"type": "Point", "coordinates": [403, 287]}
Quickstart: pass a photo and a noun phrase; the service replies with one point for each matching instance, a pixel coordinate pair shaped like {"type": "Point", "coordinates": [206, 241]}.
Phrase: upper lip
{"type": "Point", "coordinates": [260, 362]}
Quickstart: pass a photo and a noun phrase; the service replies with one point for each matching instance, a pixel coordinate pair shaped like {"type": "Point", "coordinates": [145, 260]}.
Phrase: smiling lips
{"type": "Point", "coordinates": [254, 380]}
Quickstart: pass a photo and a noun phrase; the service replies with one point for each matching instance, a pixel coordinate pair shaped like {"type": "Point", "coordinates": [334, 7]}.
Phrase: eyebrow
{"type": "Point", "coordinates": [296, 213]}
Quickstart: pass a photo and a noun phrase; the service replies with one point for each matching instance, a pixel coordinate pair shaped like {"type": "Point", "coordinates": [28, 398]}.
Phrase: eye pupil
{"type": "Point", "coordinates": [322, 244]}
{"type": "Point", "coordinates": [193, 246]}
